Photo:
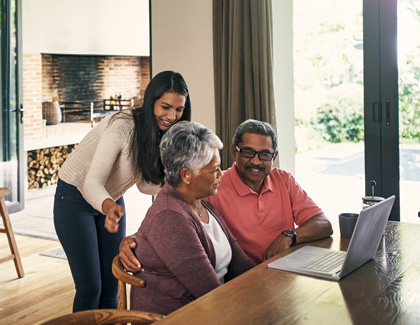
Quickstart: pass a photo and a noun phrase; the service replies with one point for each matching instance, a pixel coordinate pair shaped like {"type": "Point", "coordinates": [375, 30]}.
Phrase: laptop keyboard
{"type": "Point", "coordinates": [327, 262]}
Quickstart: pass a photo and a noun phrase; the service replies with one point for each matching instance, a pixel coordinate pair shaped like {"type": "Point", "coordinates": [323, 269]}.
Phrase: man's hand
{"type": "Point", "coordinates": [280, 244]}
{"type": "Point", "coordinates": [127, 258]}
{"type": "Point", "coordinates": [114, 212]}
{"type": "Point", "coordinates": [315, 228]}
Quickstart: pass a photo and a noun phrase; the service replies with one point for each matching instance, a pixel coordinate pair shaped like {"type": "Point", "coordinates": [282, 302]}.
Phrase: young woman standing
{"type": "Point", "coordinates": [122, 150]}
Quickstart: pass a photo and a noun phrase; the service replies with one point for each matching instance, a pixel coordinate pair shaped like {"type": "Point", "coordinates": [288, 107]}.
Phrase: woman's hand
{"type": "Point", "coordinates": [127, 257]}
{"type": "Point", "coordinates": [114, 213]}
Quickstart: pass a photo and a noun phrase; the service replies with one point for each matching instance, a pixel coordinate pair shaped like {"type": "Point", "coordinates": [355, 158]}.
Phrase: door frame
{"type": "Point", "coordinates": [22, 158]}
{"type": "Point", "coordinates": [17, 204]}
{"type": "Point", "coordinates": [381, 100]}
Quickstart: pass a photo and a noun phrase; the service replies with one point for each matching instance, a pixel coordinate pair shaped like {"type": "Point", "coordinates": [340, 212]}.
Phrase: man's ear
{"type": "Point", "coordinates": [185, 175]}
{"type": "Point", "coordinates": [233, 151]}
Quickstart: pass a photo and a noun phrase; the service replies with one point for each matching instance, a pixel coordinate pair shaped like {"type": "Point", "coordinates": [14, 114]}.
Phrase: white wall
{"type": "Point", "coordinates": [98, 27]}
{"type": "Point", "coordinates": [182, 40]}
{"type": "Point", "coordinates": [284, 81]}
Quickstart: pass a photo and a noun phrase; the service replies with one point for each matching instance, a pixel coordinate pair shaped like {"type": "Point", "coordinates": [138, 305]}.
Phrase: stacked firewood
{"type": "Point", "coordinates": [44, 165]}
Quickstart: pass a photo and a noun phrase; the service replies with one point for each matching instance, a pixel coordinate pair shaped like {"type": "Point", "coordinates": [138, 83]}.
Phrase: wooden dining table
{"type": "Point", "coordinates": [385, 290]}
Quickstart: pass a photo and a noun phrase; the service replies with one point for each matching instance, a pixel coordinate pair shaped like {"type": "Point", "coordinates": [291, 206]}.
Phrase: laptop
{"type": "Point", "coordinates": [335, 265]}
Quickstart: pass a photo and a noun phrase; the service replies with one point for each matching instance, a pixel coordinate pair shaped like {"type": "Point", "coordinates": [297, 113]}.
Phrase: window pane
{"type": "Point", "coordinates": [328, 72]}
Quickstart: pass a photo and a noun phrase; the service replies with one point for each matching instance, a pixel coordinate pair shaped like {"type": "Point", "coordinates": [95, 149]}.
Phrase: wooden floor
{"type": "Point", "coordinates": [46, 291]}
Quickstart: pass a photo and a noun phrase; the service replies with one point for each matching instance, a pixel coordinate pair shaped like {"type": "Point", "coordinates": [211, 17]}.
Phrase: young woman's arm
{"type": "Point", "coordinates": [110, 145]}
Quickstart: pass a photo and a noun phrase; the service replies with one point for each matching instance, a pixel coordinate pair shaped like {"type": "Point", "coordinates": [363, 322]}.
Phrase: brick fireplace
{"type": "Point", "coordinates": [48, 77]}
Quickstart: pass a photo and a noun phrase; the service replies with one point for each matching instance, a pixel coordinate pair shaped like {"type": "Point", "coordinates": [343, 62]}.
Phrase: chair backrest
{"type": "Point", "coordinates": [105, 316]}
{"type": "Point", "coordinates": [124, 278]}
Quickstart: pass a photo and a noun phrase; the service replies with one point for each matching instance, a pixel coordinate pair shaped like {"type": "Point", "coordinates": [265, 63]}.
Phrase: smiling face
{"type": "Point", "coordinates": [168, 109]}
{"type": "Point", "coordinates": [205, 181]}
{"type": "Point", "coordinates": [253, 171]}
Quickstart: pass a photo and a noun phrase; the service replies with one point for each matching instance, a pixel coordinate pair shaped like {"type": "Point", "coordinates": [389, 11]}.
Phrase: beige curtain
{"type": "Point", "coordinates": [243, 67]}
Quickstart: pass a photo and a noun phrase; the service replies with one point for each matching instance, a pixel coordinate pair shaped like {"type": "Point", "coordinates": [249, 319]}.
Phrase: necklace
{"type": "Point", "coordinates": [199, 210]}
{"type": "Point", "coordinates": [192, 207]}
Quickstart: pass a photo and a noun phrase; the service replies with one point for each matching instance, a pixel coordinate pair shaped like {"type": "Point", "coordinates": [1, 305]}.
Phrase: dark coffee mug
{"type": "Point", "coordinates": [347, 223]}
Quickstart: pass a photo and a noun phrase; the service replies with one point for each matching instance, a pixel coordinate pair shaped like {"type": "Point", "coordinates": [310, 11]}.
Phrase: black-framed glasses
{"type": "Point", "coordinates": [249, 153]}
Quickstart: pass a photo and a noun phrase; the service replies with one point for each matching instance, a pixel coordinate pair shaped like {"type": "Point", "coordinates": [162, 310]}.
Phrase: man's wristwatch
{"type": "Point", "coordinates": [292, 234]}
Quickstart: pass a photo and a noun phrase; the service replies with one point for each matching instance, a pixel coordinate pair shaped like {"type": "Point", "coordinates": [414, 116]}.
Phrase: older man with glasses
{"type": "Point", "coordinates": [264, 207]}
{"type": "Point", "coordinates": [261, 204]}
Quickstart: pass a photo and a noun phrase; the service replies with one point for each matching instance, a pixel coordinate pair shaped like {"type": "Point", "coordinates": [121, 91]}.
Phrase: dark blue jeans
{"type": "Point", "coordinates": [89, 247]}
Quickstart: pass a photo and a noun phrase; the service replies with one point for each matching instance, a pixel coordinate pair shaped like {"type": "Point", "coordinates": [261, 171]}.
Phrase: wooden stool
{"type": "Point", "coordinates": [9, 232]}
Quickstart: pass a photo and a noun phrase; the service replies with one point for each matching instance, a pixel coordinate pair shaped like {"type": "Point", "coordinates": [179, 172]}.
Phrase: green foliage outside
{"type": "Point", "coordinates": [409, 90]}
{"type": "Point", "coordinates": [329, 73]}
{"type": "Point", "coordinates": [328, 67]}
{"type": "Point", "coordinates": [338, 121]}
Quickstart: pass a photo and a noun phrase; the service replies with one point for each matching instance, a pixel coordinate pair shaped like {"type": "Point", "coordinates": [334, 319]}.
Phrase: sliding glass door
{"type": "Point", "coordinates": [381, 98]}
{"type": "Point", "coordinates": [328, 100]}
{"type": "Point", "coordinates": [392, 102]}
{"type": "Point", "coordinates": [357, 102]}
{"type": "Point", "coordinates": [11, 110]}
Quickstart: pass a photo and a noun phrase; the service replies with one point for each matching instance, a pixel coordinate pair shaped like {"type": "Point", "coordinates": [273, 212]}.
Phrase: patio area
{"type": "Point", "coordinates": [334, 177]}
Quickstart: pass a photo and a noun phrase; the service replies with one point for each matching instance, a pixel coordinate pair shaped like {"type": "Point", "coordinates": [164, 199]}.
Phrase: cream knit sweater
{"type": "Point", "coordinates": [101, 167]}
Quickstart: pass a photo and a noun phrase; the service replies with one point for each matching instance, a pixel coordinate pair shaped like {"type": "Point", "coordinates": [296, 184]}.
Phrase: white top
{"type": "Point", "coordinates": [100, 166]}
{"type": "Point", "coordinates": [221, 246]}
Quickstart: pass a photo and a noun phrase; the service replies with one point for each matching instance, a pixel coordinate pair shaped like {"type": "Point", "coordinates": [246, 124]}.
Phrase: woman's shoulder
{"type": "Point", "coordinates": [121, 122]}
{"type": "Point", "coordinates": [124, 117]}
{"type": "Point", "coordinates": [167, 202]}
{"type": "Point", "coordinates": [160, 217]}
{"type": "Point", "coordinates": [168, 206]}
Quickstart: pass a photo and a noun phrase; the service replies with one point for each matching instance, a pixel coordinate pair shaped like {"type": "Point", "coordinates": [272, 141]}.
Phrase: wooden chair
{"type": "Point", "coordinates": [10, 236]}
{"type": "Point", "coordinates": [105, 316]}
{"type": "Point", "coordinates": [124, 278]}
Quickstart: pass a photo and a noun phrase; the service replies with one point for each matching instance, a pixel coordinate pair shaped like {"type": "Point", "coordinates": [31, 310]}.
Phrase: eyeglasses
{"type": "Point", "coordinates": [249, 153]}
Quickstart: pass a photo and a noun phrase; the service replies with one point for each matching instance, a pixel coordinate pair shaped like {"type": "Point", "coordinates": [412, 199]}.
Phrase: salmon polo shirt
{"type": "Point", "coordinates": [256, 220]}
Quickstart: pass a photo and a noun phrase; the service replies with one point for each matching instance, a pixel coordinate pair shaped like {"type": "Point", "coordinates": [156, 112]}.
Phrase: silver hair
{"type": "Point", "coordinates": [187, 145]}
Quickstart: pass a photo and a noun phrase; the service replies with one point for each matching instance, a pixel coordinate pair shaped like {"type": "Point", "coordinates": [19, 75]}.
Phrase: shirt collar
{"type": "Point", "coordinates": [242, 189]}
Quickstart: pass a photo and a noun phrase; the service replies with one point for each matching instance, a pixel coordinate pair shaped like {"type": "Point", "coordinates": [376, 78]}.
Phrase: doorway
{"type": "Point", "coordinates": [392, 108]}
{"type": "Point", "coordinates": [328, 96]}
{"type": "Point", "coordinates": [357, 112]}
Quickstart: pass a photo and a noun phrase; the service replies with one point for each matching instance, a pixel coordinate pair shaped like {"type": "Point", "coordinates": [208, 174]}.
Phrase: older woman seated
{"type": "Point", "coordinates": [185, 248]}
